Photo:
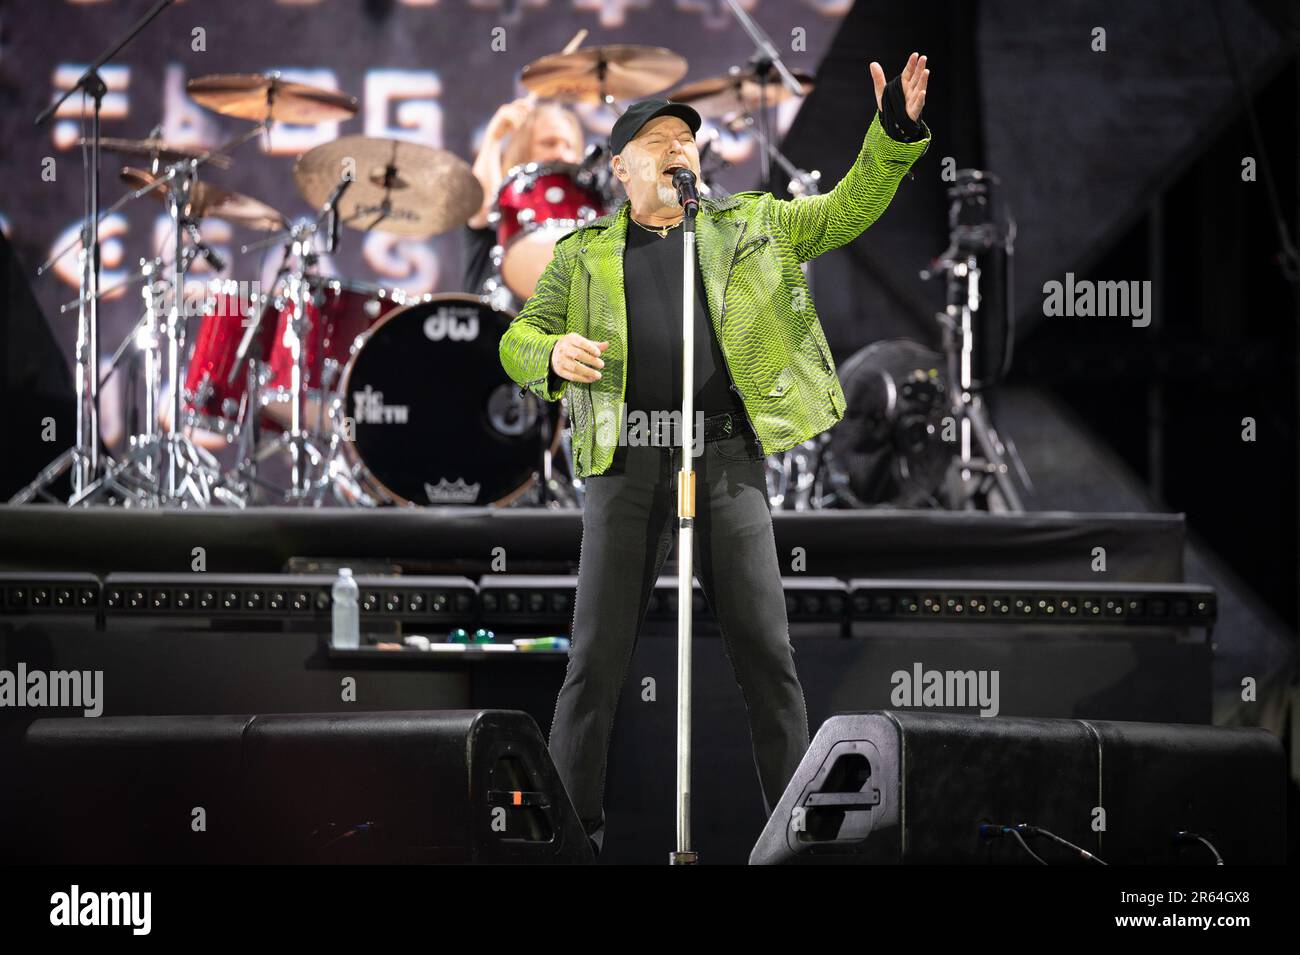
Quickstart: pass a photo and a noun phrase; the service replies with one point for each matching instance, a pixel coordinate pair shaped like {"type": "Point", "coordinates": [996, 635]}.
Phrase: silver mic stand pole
{"type": "Point", "coordinates": [683, 854]}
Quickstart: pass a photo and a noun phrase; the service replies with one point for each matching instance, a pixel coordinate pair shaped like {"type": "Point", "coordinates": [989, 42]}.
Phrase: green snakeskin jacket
{"type": "Point", "coordinates": [749, 247]}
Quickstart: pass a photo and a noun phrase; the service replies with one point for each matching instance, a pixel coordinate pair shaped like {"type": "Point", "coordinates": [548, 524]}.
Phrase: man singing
{"type": "Point", "coordinates": [604, 326]}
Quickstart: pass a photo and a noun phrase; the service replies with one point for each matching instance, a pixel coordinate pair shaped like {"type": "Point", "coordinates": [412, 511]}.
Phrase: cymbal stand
{"type": "Point", "coordinates": [299, 444]}
{"type": "Point", "coordinates": [139, 333]}
{"type": "Point", "coordinates": [556, 490]}
{"type": "Point", "coordinates": [188, 473]}
{"type": "Point", "coordinates": [304, 456]}
{"type": "Point", "coordinates": [244, 474]}
{"type": "Point", "coordinates": [351, 485]}
{"type": "Point", "coordinates": [84, 457]}
{"type": "Point", "coordinates": [144, 337]}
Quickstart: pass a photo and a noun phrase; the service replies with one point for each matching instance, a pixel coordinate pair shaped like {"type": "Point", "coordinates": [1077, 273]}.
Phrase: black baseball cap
{"type": "Point", "coordinates": [638, 114]}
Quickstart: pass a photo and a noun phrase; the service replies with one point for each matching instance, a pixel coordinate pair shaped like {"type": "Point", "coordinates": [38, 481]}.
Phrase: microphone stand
{"type": "Point", "coordinates": [766, 58]}
{"type": "Point", "coordinates": [684, 181]}
{"type": "Point", "coordinates": [765, 61]}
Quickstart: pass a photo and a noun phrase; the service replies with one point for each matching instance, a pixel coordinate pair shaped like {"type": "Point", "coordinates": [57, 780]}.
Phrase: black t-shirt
{"type": "Point", "coordinates": [478, 257]}
{"type": "Point", "coordinates": [652, 283]}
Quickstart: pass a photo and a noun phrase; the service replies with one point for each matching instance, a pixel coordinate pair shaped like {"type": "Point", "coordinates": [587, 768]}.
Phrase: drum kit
{"type": "Point", "coordinates": [370, 396]}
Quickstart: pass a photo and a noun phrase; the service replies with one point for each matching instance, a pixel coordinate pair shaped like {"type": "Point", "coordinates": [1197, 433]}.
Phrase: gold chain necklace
{"type": "Point", "coordinates": [661, 231]}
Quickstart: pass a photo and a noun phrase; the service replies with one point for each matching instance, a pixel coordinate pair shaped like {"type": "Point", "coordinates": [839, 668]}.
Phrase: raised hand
{"type": "Point", "coordinates": [507, 119]}
{"type": "Point", "coordinates": [915, 79]}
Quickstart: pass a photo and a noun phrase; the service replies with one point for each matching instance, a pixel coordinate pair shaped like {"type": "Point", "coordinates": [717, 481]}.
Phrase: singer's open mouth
{"type": "Point", "coordinates": [668, 171]}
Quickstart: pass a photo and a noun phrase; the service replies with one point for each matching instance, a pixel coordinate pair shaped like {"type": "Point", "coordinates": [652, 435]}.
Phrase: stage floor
{"type": "Point", "coordinates": [1145, 548]}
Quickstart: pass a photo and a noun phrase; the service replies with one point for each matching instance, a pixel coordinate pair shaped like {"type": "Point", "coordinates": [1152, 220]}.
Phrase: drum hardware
{"type": "Point", "coordinates": [188, 473]}
{"type": "Point", "coordinates": [158, 183]}
{"type": "Point", "coordinates": [555, 490]}
{"type": "Point", "coordinates": [980, 474]}
{"type": "Point", "coordinates": [744, 90]}
{"type": "Point", "coordinates": [244, 474]}
{"type": "Point", "coordinates": [712, 162]}
{"type": "Point", "coordinates": [159, 177]}
{"type": "Point", "coordinates": [494, 289]}
{"type": "Point", "coordinates": [177, 177]}
{"type": "Point", "coordinates": [167, 467]}
{"type": "Point", "coordinates": [796, 478]}
{"type": "Point", "coordinates": [312, 325]}
{"type": "Point", "coordinates": [603, 74]}
{"type": "Point", "coordinates": [385, 185]}
{"type": "Point", "coordinates": [215, 202]}
{"type": "Point", "coordinates": [768, 69]}
{"type": "Point", "coordinates": [745, 95]}
{"type": "Point", "coordinates": [293, 343]}
{"type": "Point", "coordinates": [890, 447]}
{"type": "Point", "coordinates": [83, 459]}
{"type": "Point", "coordinates": [345, 482]}
{"type": "Point", "coordinates": [480, 444]}
{"type": "Point", "coordinates": [400, 187]}
{"type": "Point", "coordinates": [266, 97]}
{"type": "Point", "coordinates": [159, 152]}
{"type": "Point", "coordinates": [303, 453]}
{"type": "Point", "coordinates": [570, 491]}
{"type": "Point", "coordinates": [297, 267]}
{"type": "Point", "coordinates": [802, 182]}
{"type": "Point", "coordinates": [536, 206]}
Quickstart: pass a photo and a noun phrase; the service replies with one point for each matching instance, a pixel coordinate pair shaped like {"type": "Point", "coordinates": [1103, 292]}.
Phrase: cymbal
{"type": "Point", "coordinates": [400, 187]}
{"type": "Point", "coordinates": [630, 72]}
{"type": "Point", "coordinates": [719, 95]}
{"type": "Point", "coordinates": [166, 153]}
{"type": "Point", "coordinates": [259, 96]}
{"type": "Point", "coordinates": [209, 200]}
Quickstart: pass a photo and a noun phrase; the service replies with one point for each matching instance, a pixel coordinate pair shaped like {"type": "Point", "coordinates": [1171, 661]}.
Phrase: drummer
{"type": "Point", "coordinates": [519, 132]}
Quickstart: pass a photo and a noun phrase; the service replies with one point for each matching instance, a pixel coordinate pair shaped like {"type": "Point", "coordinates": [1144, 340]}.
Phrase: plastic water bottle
{"type": "Point", "coordinates": [347, 620]}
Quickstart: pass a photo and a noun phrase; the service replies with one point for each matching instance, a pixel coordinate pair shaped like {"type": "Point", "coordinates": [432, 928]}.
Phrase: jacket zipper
{"type": "Point", "coordinates": [744, 225]}
{"type": "Point", "coordinates": [742, 253]}
{"type": "Point", "coordinates": [825, 363]}
{"type": "Point", "coordinates": [591, 402]}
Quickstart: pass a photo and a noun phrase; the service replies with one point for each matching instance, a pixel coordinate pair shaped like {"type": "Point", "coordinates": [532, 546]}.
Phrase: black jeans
{"type": "Point", "coordinates": [628, 527]}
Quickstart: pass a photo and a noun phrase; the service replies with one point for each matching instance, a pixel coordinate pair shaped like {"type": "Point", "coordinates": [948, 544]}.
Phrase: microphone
{"type": "Point", "coordinates": [684, 182]}
{"type": "Point", "coordinates": [213, 258]}
{"type": "Point", "coordinates": [332, 205]}
{"type": "Point", "coordinates": [593, 170]}
{"type": "Point", "coordinates": [595, 152]}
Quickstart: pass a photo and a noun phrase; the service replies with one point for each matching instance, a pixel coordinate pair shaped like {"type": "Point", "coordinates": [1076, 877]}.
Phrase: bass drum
{"type": "Point", "coordinates": [429, 415]}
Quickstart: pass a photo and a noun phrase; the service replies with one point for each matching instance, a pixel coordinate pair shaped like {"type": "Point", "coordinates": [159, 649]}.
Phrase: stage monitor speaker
{"type": "Point", "coordinates": [438, 786]}
{"type": "Point", "coordinates": [896, 787]}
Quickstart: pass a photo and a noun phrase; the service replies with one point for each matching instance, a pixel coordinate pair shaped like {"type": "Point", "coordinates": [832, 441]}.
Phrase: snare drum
{"type": "Point", "coordinates": [429, 414]}
{"type": "Point", "coordinates": [537, 205]}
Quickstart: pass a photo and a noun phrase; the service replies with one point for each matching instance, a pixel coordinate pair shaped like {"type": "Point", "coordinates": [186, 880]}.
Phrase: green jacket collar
{"type": "Point", "coordinates": [718, 231]}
